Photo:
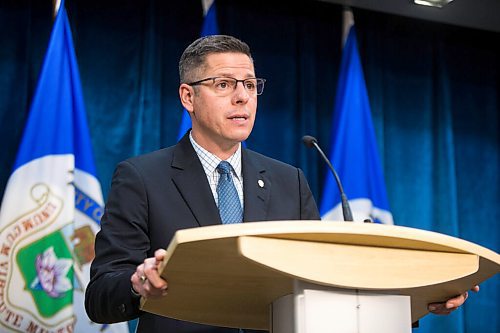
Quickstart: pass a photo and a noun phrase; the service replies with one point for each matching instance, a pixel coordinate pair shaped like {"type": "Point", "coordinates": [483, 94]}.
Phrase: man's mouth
{"type": "Point", "coordinates": [238, 117]}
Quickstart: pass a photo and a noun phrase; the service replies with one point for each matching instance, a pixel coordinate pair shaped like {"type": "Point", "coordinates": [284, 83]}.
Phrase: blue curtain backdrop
{"type": "Point", "coordinates": [434, 91]}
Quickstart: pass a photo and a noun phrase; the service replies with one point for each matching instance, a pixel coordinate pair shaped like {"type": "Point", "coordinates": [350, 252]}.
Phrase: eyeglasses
{"type": "Point", "coordinates": [224, 86]}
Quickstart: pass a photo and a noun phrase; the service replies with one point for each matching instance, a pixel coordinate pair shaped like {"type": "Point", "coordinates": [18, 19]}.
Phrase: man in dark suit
{"type": "Point", "coordinates": [156, 194]}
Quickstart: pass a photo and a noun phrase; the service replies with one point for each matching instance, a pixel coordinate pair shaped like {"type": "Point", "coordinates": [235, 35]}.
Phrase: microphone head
{"type": "Point", "coordinates": [309, 141]}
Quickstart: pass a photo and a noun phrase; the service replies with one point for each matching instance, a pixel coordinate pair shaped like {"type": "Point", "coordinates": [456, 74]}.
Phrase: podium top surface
{"type": "Point", "coordinates": [228, 275]}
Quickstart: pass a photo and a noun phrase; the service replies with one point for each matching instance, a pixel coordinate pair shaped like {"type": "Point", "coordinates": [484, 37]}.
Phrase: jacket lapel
{"type": "Point", "coordinates": [192, 183]}
{"type": "Point", "coordinates": [256, 188]}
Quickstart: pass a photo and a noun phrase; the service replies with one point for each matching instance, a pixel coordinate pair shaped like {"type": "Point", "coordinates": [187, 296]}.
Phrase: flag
{"type": "Point", "coordinates": [52, 205]}
{"type": "Point", "coordinates": [209, 27]}
{"type": "Point", "coordinates": [353, 148]}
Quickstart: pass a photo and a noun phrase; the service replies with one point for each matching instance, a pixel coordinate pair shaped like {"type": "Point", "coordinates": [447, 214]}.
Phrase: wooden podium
{"type": "Point", "coordinates": [230, 275]}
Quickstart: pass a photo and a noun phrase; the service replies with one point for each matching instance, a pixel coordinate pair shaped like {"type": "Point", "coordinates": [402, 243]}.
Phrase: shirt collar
{"type": "Point", "coordinates": [211, 161]}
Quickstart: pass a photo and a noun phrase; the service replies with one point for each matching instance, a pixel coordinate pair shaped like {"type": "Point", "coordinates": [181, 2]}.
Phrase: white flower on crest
{"type": "Point", "coordinates": [51, 273]}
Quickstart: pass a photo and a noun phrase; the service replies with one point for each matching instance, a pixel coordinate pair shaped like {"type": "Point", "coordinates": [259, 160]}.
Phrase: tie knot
{"type": "Point", "coordinates": [224, 167]}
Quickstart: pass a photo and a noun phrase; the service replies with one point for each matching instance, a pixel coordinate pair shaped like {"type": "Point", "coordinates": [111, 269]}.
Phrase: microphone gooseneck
{"type": "Point", "coordinates": [309, 142]}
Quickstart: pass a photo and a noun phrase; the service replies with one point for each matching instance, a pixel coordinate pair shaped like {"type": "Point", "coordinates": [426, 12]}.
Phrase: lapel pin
{"type": "Point", "coordinates": [260, 182]}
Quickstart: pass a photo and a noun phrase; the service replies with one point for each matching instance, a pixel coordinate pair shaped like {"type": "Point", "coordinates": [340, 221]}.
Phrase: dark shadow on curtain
{"type": "Point", "coordinates": [24, 34]}
{"type": "Point", "coordinates": [435, 101]}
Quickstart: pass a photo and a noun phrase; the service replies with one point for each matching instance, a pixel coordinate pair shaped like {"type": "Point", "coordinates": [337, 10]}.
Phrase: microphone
{"type": "Point", "coordinates": [310, 142]}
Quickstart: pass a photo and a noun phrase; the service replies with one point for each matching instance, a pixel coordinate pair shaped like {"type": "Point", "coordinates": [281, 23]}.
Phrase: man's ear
{"type": "Point", "coordinates": [186, 94]}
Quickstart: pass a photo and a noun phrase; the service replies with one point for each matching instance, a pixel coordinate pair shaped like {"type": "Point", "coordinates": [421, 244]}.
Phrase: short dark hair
{"type": "Point", "coordinates": [194, 56]}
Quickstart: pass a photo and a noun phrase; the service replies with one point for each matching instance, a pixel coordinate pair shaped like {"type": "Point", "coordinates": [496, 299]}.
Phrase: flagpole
{"type": "Point", "coordinates": [347, 23]}
{"type": "Point", "coordinates": [77, 270]}
{"type": "Point", "coordinates": [206, 4]}
{"type": "Point", "coordinates": [57, 5]}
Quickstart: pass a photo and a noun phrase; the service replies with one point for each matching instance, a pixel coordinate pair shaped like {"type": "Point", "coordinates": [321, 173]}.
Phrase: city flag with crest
{"type": "Point", "coordinates": [52, 205]}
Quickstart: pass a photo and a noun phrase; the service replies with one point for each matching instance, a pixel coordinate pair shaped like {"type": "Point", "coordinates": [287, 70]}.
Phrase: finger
{"type": "Point", "coordinates": [455, 302]}
{"type": "Point", "coordinates": [144, 287]}
{"type": "Point", "coordinates": [475, 289]}
{"type": "Point", "coordinates": [152, 275]}
{"type": "Point", "coordinates": [141, 280]}
{"type": "Point", "coordinates": [439, 309]}
{"type": "Point", "coordinates": [160, 254]}
{"type": "Point", "coordinates": [135, 279]}
{"type": "Point", "coordinates": [151, 291]}
{"type": "Point", "coordinates": [138, 276]}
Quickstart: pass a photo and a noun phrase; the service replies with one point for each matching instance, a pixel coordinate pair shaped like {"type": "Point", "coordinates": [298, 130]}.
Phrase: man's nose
{"type": "Point", "coordinates": [240, 95]}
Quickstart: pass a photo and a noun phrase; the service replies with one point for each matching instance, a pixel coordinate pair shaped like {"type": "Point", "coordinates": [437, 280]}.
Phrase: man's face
{"type": "Point", "coordinates": [223, 120]}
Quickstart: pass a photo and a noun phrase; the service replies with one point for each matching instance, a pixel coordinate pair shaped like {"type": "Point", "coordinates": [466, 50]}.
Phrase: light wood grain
{"type": "Point", "coordinates": [228, 275]}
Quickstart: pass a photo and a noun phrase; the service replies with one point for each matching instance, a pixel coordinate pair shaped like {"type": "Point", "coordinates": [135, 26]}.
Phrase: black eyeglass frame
{"type": "Point", "coordinates": [262, 81]}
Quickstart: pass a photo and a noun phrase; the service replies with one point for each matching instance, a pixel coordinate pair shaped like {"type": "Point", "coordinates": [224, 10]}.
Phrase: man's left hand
{"type": "Point", "coordinates": [450, 305]}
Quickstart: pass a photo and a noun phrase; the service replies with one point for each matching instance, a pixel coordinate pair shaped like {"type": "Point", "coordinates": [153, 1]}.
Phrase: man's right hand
{"type": "Point", "coordinates": [146, 280]}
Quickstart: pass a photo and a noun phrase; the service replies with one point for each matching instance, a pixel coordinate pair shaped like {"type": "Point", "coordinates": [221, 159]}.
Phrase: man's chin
{"type": "Point", "coordinates": [241, 136]}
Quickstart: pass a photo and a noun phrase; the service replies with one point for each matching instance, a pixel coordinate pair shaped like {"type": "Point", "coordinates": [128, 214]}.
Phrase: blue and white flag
{"type": "Point", "coordinates": [51, 206]}
{"type": "Point", "coordinates": [209, 28]}
{"type": "Point", "coordinates": [353, 148]}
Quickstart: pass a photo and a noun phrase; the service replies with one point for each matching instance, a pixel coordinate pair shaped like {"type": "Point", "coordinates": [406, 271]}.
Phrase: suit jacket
{"type": "Point", "coordinates": [154, 195]}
